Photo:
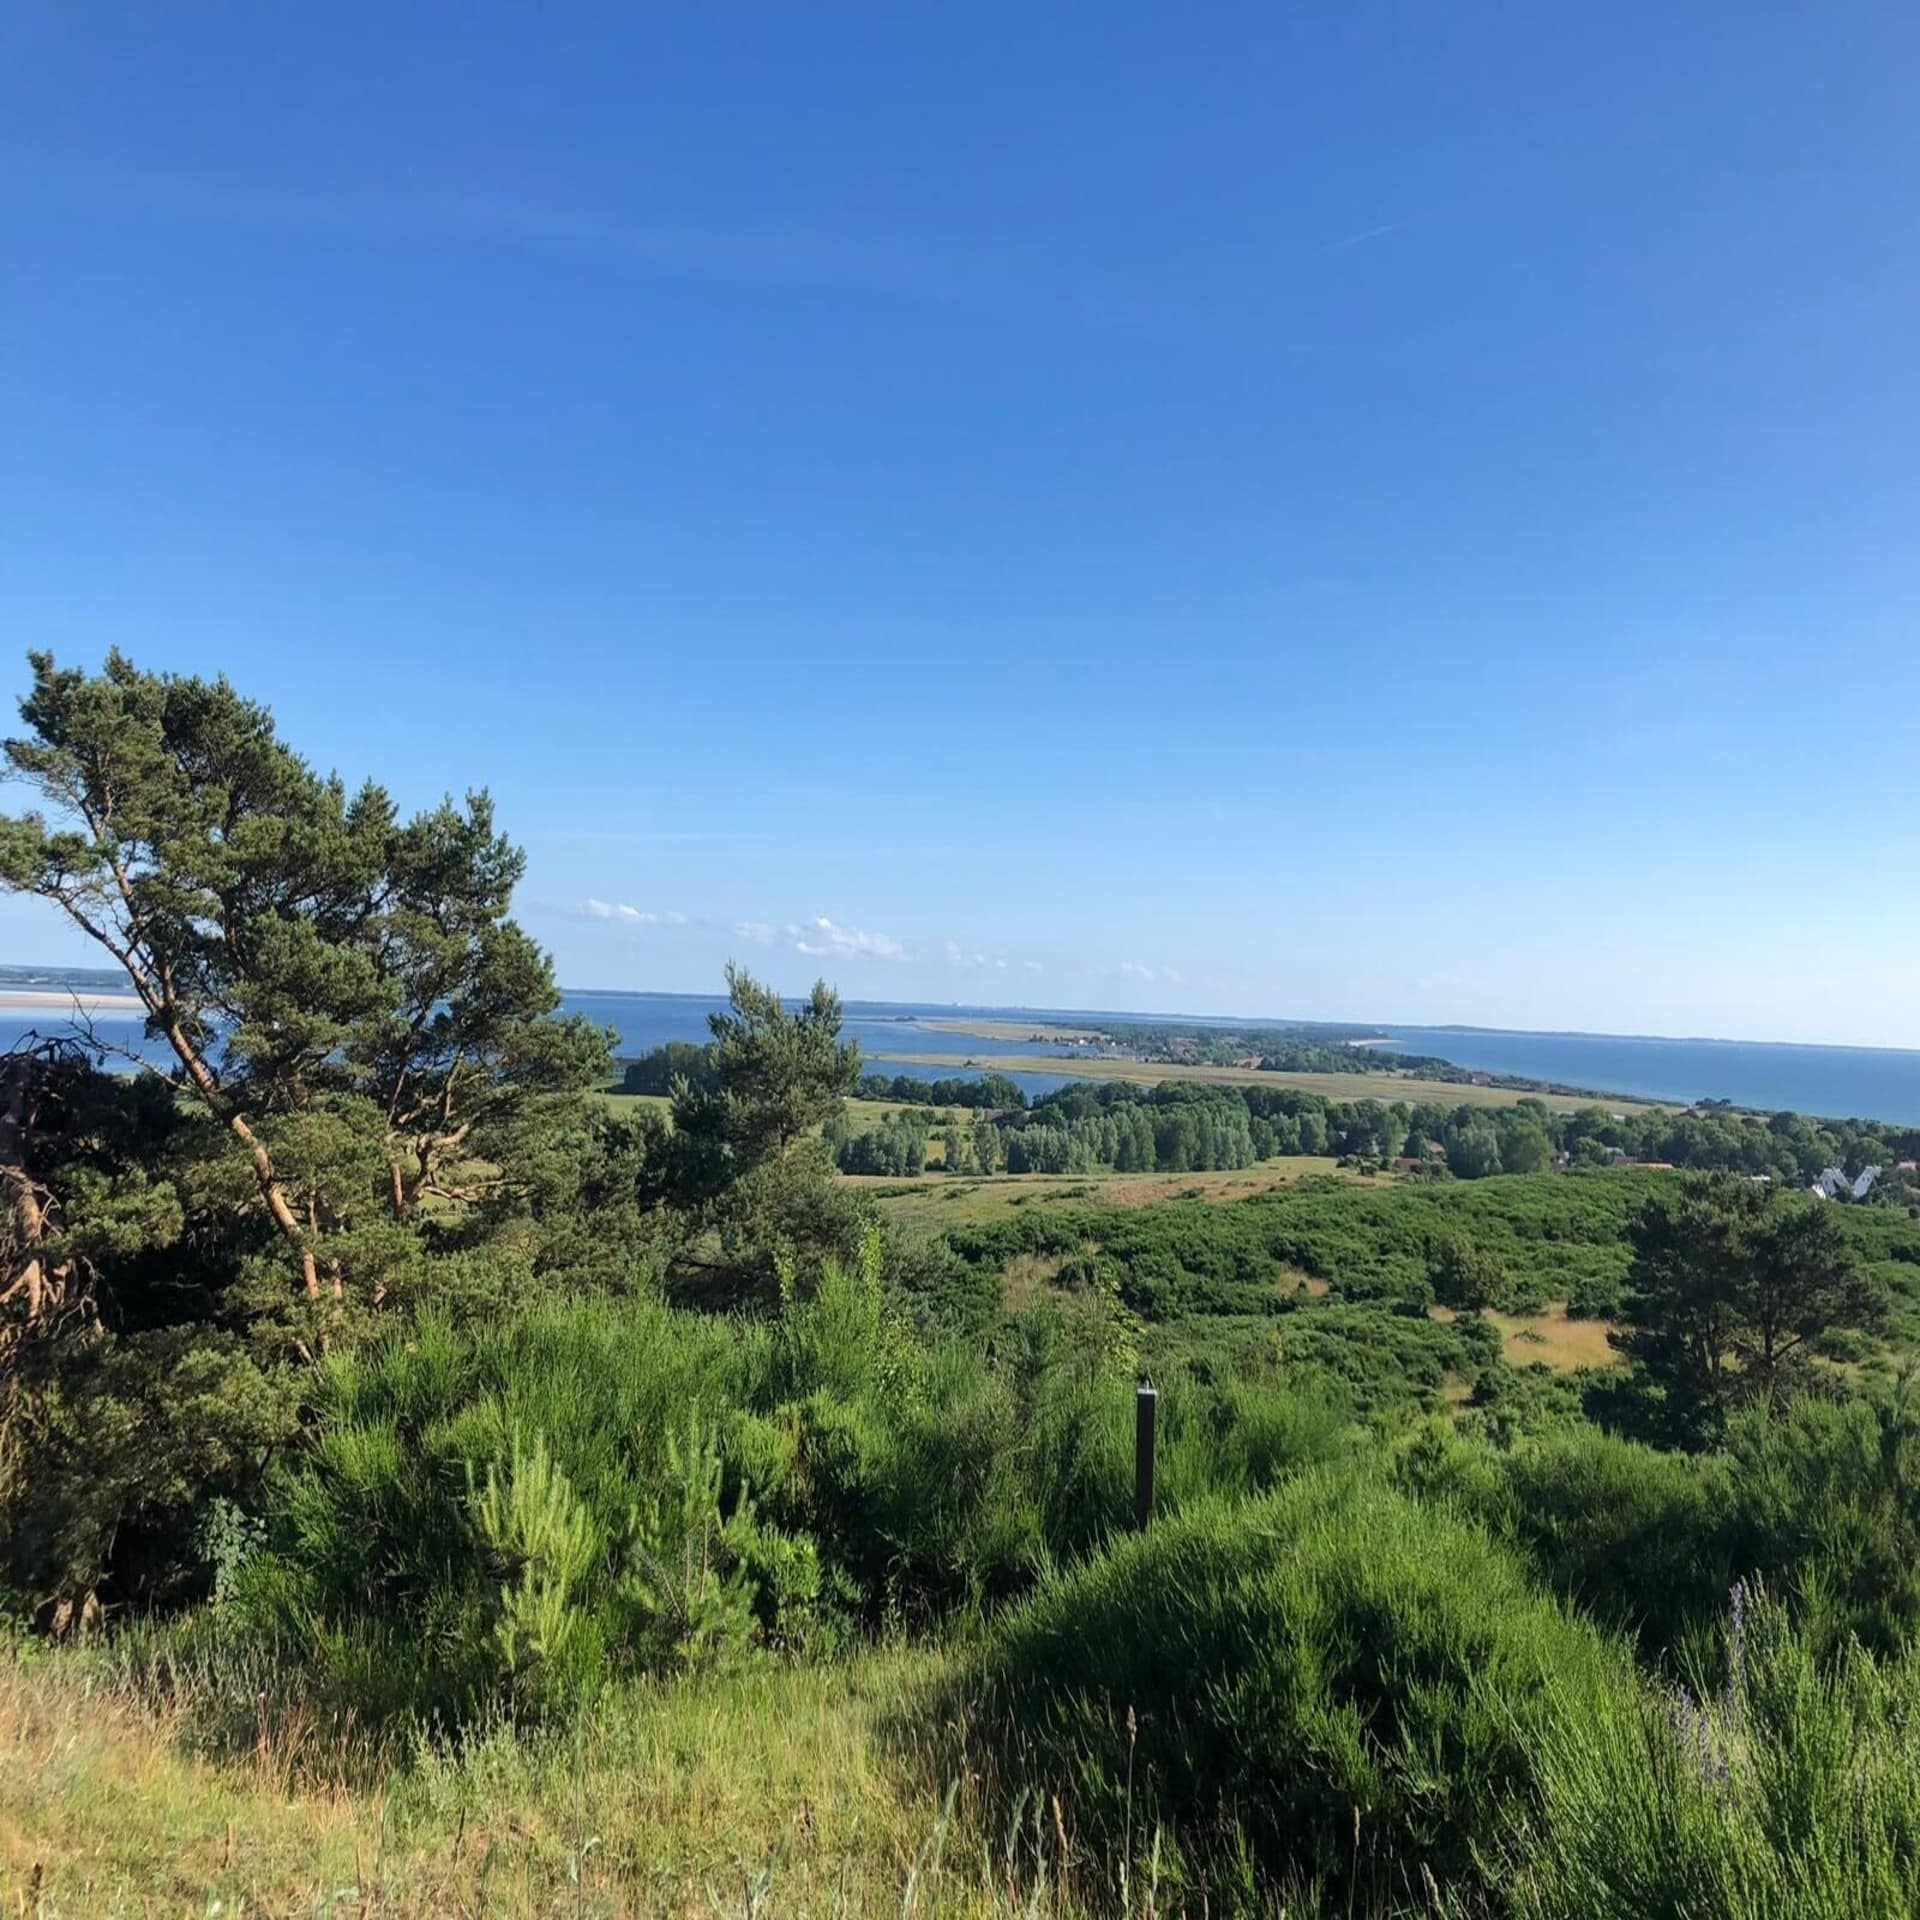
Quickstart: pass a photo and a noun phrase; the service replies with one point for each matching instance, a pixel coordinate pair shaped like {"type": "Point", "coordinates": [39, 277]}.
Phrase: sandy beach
{"type": "Point", "coordinates": [56, 1000]}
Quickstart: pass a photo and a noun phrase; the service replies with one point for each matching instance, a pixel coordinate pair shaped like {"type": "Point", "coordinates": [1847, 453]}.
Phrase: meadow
{"type": "Point", "coordinates": [775, 1789]}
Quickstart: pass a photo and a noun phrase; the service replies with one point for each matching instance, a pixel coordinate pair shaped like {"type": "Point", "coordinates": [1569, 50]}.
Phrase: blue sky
{"type": "Point", "coordinates": [1375, 512]}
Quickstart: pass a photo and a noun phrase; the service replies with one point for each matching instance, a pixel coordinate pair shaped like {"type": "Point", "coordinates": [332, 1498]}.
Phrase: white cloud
{"type": "Point", "coordinates": [633, 916]}
{"type": "Point", "coordinates": [755, 930]}
{"type": "Point", "coordinates": [1001, 964]}
{"type": "Point", "coordinates": [955, 958]}
{"type": "Point", "coordinates": [1173, 976]}
{"type": "Point", "coordinates": [820, 937]}
{"type": "Point", "coordinates": [1033, 966]}
{"type": "Point", "coordinates": [1135, 971]}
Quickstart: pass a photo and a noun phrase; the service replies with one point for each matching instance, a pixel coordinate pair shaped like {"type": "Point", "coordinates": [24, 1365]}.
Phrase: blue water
{"type": "Point", "coordinates": [1864, 1083]}
{"type": "Point", "coordinates": [1873, 1083]}
{"type": "Point", "coordinates": [644, 1020]}
{"type": "Point", "coordinates": [118, 1034]}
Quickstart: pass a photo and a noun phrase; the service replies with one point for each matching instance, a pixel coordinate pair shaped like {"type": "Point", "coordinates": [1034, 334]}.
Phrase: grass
{"type": "Point", "coordinates": [1007, 1029]}
{"type": "Point", "coordinates": [774, 1790]}
{"type": "Point", "coordinates": [936, 1201]}
{"type": "Point", "coordinates": [1550, 1338]}
{"type": "Point", "coordinates": [1335, 1086]}
{"type": "Point", "coordinates": [631, 1102]}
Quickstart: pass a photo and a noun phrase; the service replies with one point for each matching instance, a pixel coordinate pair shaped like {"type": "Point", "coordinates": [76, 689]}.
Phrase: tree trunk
{"type": "Point", "coordinates": [265, 1178]}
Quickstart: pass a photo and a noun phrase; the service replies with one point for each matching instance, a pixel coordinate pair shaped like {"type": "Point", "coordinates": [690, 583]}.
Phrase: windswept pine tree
{"type": "Point", "coordinates": [342, 993]}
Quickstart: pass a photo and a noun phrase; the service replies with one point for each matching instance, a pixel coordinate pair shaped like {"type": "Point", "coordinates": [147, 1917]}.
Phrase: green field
{"type": "Point", "coordinates": [1333, 1086]}
{"type": "Point", "coordinates": [1015, 1030]}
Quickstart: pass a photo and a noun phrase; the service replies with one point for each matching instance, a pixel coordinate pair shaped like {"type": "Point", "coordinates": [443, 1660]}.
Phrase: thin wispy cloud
{"type": "Point", "coordinates": [1362, 237]}
{"type": "Point", "coordinates": [821, 937]}
{"type": "Point", "coordinates": [758, 931]}
{"type": "Point", "coordinates": [906, 266]}
{"type": "Point", "coordinates": [1141, 971]}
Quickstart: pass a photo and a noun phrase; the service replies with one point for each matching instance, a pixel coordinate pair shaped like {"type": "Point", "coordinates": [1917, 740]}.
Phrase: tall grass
{"type": "Point", "coordinates": [1788, 1790]}
{"type": "Point", "coordinates": [770, 1791]}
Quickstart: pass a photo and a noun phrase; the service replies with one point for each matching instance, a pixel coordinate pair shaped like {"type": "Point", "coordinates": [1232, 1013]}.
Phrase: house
{"type": "Point", "coordinates": [1833, 1185]}
{"type": "Point", "coordinates": [1864, 1185]}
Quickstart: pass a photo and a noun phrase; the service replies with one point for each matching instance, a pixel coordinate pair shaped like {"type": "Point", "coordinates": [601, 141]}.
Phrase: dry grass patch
{"type": "Point", "coordinates": [1550, 1338]}
{"type": "Point", "coordinates": [938, 1201]}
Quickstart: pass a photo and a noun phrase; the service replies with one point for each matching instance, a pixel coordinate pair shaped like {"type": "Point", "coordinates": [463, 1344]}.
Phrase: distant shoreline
{"type": "Point", "coordinates": [56, 1000]}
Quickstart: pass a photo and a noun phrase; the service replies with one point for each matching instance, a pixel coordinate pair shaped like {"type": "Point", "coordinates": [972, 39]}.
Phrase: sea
{"type": "Point", "coordinates": [1837, 1083]}
{"type": "Point", "coordinates": [1867, 1083]}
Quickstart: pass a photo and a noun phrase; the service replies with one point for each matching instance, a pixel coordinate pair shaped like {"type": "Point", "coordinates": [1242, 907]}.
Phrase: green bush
{"type": "Point", "coordinates": [1821, 1500]}
{"type": "Point", "coordinates": [508, 1516]}
{"type": "Point", "coordinates": [1319, 1692]}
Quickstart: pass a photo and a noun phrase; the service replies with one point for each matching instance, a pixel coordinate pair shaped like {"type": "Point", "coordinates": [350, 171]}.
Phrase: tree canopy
{"type": "Point", "coordinates": [1731, 1289]}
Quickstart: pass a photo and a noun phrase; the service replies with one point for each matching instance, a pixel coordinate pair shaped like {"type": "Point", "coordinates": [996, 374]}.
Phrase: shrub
{"type": "Point", "coordinates": [509, 1515]}
{"type": "Point", "coordinates": [1330, 1687]}
{"type": "Point", "coordinates": [1788, 1791]}
{"type": "Point", "coordinates": [1821, 1500]}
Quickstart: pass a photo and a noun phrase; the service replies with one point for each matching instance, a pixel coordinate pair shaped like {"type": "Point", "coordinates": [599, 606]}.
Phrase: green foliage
{"type": "Point", "coordinates": [1730, 1292]}
{"type": "Point", "coordinates": [513, 1514]}
{"type": "Point", "coordinates": [780, 1075]}
{"type": "Point", "coordinates": [342, 994]}
{"type": "Point", "coordinates": [743, 1166]}
{"type": "Point", "coordinates": [1322, 1689]}
{"type": "Point", "coordinates": [661, 1068]}
{"type": "Point", "coordinates": [897, 1146]}
{"type": "Point", "coordinates": [1785, 1788]}
{"type": "Point", "coordinates": [990, 1090]}
{"type": "Point", "coordinates": [1823, 1503]}
{"type": "Point", "coordinates": [115, 1446]}
{"type": "Point", "coordinates": [1463, 1277]}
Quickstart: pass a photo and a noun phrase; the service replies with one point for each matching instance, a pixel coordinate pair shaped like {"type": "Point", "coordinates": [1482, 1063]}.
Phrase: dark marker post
{"type": "Point", "coordinates": [1146, 1404]}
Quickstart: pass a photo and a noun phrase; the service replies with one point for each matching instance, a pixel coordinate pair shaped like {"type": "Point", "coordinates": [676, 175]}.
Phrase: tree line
{"type": "Point", "coordinates": [1188, 1127]}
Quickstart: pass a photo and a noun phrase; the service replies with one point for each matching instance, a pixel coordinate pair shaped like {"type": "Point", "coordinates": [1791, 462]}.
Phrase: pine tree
{"type": "Point", "coordinates": [342, 995]}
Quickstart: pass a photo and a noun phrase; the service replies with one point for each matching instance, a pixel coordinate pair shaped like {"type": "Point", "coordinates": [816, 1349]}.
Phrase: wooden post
{"type": "Point", "coordinates": [1146, 1403]}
